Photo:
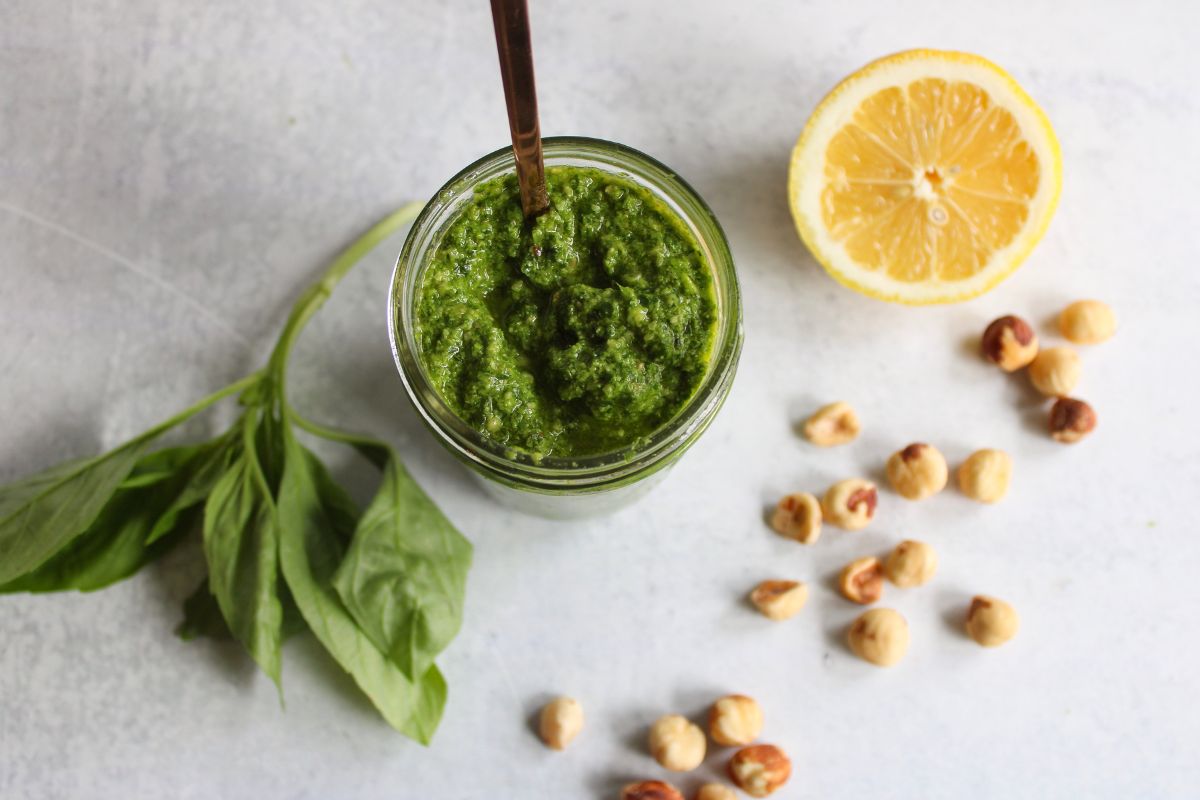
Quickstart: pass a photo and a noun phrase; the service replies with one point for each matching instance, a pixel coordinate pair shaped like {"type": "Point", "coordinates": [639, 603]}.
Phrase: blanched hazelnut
{"type": "Point", "coordinates": [850, 504]}
{"type": "Point", "coordinates": [990, 621]}
{"type": "Point", "coordinates": [879, 636]}
{"type": "Point", "coordinates": [831, 425]}
{"type": "Point", "coordinates": [1009, 343]}
{"type": "Point", "coordinates": [735, 720]}
{"type": "Point", "coordinates": [650, 790]}
{"type": "Point", "coordinates": [861, 581]}
{"type": "Point", "coordinates": [918, 471]}
{"type": "Point", "coordinates": [760, 769]}
{"type": "Point", "coordinates": [715, 791]}
{"type": "Point", "coordinates": [985, 475]}
{"type": "Point", "coordinates": [1071, 420]}
{"type": "Point", "coordinates": [1087, 322]}
{"type": "Point", "coordinates": [798, 516]}
{"type": "Point", "coordinates": [1055, 371]}
{"type": "Point", "coordinates": [911, 563]}
{"type": "Point", "coordinates": [677, 743]}
{"type": "Point", "coordinates": [561, 721]}
{"type": "Point", "coordinates": [779, 600]}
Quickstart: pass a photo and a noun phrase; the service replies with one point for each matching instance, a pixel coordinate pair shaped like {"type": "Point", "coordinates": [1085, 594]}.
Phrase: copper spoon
{"type": "Point", "coordinates": [516, 69]}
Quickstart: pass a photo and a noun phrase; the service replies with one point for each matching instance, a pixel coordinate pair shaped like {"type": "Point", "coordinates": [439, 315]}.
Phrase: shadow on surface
{"type": "Point", "coordinates": [172, 580]}
{"type": "Point", "coordinates": [303, 650]}
{"type": "Point", "coordinates": [749, 196]}
{"type": "Point", "coordinates": [954, 605]}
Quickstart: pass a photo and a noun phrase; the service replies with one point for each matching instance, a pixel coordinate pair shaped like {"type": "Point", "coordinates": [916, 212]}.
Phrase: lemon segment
{"type": "Point", "coordinates": [925, 177]}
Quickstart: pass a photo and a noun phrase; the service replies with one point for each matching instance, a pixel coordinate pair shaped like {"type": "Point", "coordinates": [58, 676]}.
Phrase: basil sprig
{"type": "Point", "coordinates": [382, 590]}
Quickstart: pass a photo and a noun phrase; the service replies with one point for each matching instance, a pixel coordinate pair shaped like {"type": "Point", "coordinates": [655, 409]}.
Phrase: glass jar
{"type": "Point", "coordinates": [578, 486]}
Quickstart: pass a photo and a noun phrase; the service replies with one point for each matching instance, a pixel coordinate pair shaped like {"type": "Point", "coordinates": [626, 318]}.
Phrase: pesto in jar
{"type": "Point", "coordinates": [577, 334]}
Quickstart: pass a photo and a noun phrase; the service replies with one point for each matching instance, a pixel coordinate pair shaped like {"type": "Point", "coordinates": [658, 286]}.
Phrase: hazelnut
{"type": "Point", "coordinates": [798, 516]}
{"type": "Point", "coordinates": [650, 790]}
{"type": "Point", "coordinates": [991, 622]}
{"type": "Point", "coordinates": [912, 563]}
{"type": "Point", "coordinates": [1087, 322]}
{"type": "Point", "coordinates": [561, 721]}
{"type": "Point", "coordinates": [1071, 419]}
{"type": "Point", "coordinates": [861, 580]}
{"type": "Point", "coordinates": [779, 600]}
{"type": "Point", "coordinates": [715, 791]}
{"type": "Point", "coordinates": [918, 471]}
{"type": "Point", "coordinates": [831, 425]}
{"type": "Point", "coordinates": [984, 476]}
{"type": "Point", "coordinates": [1055, 371]}
{"type": "Point", "coordinates": [676, 743]}
{"type": "Point", "coordinates": [850, 504]}
{"type": "Point", "coordinates": [1009, 343]}
{"type": "Point", "coordinates": [760, 769]}
{"type": "Point", "coordinates": [879, 636]}
{"type": "Point", "coordinates": [735, 720]}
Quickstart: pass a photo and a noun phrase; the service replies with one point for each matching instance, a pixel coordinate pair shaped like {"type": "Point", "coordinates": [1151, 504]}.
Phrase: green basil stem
{"type": "Point", "coordinates": [220, 394]}
{"type": "Point", "coordinates": [332, 434]}
{"type": "Point", "coordinates": [316, 295]}
{"type": "Point", "coordinates": [371, 449]}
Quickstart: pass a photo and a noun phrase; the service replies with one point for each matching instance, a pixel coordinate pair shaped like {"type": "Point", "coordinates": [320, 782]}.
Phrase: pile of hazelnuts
{"type": "Point", "coordinates": [680, 745]}
{"type": "Point", "coordinates": [880, 636]}
{"type": "Point", "coordinates": [1011, 344]}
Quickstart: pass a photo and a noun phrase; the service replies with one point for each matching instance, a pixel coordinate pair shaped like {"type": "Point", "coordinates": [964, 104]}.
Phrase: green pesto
{"type": "Point", "coordinates": [579, 334]}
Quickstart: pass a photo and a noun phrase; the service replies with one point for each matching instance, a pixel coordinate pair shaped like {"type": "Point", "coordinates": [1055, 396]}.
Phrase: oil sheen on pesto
{"type": "Point", "coordinates": [577, 334]}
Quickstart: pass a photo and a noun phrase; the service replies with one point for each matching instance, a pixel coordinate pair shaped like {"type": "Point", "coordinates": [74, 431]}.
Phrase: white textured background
{"type": "Point", "coordinates": [173, 173]}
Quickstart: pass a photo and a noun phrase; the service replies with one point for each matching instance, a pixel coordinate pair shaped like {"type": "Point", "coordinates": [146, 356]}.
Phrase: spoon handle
{"type": "Point", "coordinates": [516, 69]}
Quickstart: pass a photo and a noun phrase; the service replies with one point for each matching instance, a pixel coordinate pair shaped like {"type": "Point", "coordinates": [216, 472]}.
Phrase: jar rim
{"type": "Point", "coordinates": [593, 471]}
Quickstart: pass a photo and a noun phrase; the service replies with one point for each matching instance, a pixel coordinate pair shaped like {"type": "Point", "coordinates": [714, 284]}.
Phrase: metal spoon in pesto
{"type": "Point", "coordinates": [516, 69]}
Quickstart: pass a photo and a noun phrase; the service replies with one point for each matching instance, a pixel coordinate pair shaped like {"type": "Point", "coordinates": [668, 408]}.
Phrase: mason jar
{"type": "Point", "coordinates": [566, 487]}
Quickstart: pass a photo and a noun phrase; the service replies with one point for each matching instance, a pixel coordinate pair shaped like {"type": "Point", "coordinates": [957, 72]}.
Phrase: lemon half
{"type": "Point", "coordinates": [925, 177]}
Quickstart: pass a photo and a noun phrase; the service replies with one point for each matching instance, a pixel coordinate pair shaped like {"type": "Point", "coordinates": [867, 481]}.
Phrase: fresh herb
{"type": "Point", "coordinates": [315, 515]}
{"type": "Point", "coordinates": [132, 528]}
{"type": "Point", "coordinates": [285, 546]}
{"type": "Point", "coordinates": [202, 616]}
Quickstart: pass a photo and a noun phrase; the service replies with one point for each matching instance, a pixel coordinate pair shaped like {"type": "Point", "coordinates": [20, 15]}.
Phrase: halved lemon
{"type": "Point", "coordinates": [925, 177]}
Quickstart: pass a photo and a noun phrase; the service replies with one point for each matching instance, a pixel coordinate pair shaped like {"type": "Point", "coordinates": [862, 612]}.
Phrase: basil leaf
{"type": "Point", "coordinates": [202, 616]}
{"type": "Point", "coordinates": [241, 545]}
{"type": "Point", "coordinates": [114, 545]}
{"type": "Point", "coordinates": [404, 576]}
{"type": "Point", "coordinates": [269, 446]}
{"type": "Point", "coordinates": [311, 508]}
{"type": "Point", "coordinates": [209, 464]}
{"type": "Point", "coordinates": [43, 513]}
{"type": "Point", "coordinates": [161, 465]}
{"type": "Point", "coordinates": [293, 620]}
